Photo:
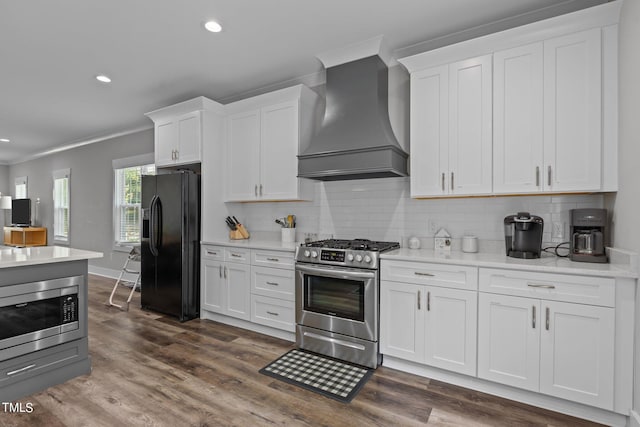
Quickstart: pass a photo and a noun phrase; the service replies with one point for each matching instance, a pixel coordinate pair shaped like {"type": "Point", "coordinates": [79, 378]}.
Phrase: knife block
{"type": "Point", "coordinates": [239, 233]}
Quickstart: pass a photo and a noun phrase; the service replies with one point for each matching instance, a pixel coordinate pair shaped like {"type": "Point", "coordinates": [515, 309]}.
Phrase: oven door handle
{"type": "Point", "coordinates": [337, 273]}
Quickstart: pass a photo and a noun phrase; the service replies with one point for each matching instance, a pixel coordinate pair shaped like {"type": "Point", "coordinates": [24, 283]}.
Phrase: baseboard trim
{"type": "Point", "coordinates": [634, 419]}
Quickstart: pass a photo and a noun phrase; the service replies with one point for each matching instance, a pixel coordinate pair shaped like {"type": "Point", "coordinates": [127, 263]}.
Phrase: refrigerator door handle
{"type": "Point", "coordinates": [152, 226]}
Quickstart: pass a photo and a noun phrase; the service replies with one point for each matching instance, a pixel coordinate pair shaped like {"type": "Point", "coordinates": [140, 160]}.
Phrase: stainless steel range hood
{"type": "Point", "coordinates": [355, 140]}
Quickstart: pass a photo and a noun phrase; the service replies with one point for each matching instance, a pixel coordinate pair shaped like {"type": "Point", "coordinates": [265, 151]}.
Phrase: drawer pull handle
{"type": "Point", "coordinates": [273, 259]}
{"type": "Point", "coordinates": [541, 285]}
{"type": "Point", "coordinates": [272, 313]}
{"type": "Point", "coordinates": [236, 256]}
{"type": "Point", "coordinates": [212, 253]}
{"type": "Point", "coordinates": [273, 283]}
{"type": "Point", "coordinates": [17, 371]}
{"type": "Point", "coordinates": [417, 273]}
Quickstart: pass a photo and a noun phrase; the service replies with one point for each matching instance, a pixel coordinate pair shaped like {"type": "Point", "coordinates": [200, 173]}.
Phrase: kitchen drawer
{"type": "Point", "coordinates": [556, 287]}
{"type": "Point", "coordinates": [29, 365]}
{"type": "Point", "coordinates": [273, 312]}
{"type": "Point", "coordinates": [239, 255]}
{"type": "Point", "coordinates": [215, 253]}
{"type": "Point", "coordinates": [278, 259]}
{"type": "Point", "coordinates": [422, 273]}
{"type": "Point", "coordinates": [273, 282]}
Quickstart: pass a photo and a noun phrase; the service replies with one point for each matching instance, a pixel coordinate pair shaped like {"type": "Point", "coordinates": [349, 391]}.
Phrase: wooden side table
{"type": "Point", "coordinates": [25, 236]}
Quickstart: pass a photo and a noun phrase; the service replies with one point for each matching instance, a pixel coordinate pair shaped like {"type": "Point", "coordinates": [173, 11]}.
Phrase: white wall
{"type": "Point", "coordinates": [626, 204]}
{"type": "Point", "coordinates": [91, 184]}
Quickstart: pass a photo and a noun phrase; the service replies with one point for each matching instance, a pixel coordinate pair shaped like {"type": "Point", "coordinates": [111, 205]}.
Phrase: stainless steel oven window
{"type": "Point", "coordinates": [336, 297]}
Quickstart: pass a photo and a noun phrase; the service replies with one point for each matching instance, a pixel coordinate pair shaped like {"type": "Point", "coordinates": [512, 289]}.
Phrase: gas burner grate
{"type": "Point", "coordinates": [355, 244]}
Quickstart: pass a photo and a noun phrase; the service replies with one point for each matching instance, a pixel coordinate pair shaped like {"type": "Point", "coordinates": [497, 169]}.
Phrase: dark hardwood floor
{"type": "Point", "coordinates": [150, 370]}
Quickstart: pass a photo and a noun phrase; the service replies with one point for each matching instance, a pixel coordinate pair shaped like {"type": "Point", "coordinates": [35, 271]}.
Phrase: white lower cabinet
{"type": "Point", "coordinates": [558, 348]}
{"type": "Point", "coordinates": [249, 284]}
{"type": "Point", "coordinates": [225, 285]}
{"type": "Point", "coordinates": [432, 325]}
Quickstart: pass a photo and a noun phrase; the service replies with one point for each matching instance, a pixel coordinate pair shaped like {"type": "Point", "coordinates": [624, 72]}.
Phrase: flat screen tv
{"type": "Point", "coordinates": [21, 212]}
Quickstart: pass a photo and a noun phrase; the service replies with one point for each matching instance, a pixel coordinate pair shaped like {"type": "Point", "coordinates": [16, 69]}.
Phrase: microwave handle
{"type": "Point", "coordinates": [338, 274]}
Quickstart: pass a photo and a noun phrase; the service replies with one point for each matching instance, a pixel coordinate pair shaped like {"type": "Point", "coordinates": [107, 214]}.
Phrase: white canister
{"type": "Point", "coordinates": [469, 244]}
{"type": "Point", "coordinates": [288, 235]}
{"type": "Point", "coordinates": [414, 243]}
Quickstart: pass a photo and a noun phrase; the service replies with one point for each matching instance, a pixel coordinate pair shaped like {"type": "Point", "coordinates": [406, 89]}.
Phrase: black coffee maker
{"type": "Point", "coordinates": [523, 235]}
{"type": "Point", "coordinates": [587, 235]}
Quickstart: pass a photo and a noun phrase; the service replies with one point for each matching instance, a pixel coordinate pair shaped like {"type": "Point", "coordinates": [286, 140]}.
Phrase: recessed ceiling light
{"type": "Point", "coordinates": [4, 140]}
{"type": "Point", "coordinates": [213, 26]}
{"type": "Point", "coordinates": [102, 78]}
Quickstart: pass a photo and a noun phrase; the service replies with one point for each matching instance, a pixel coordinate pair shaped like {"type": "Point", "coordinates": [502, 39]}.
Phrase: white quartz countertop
{"type": "Point", "coordinates": [264, 244]}
{"type": "Point", "coordinates": [19, 257]}
{"type": "Point", "coordinates": [547, 263]}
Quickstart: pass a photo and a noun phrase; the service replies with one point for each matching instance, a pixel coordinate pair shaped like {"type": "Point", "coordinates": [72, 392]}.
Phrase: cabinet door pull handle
{"type": "Point", "coordinates": [419, 297]}
{"type": "Point", "coordinates": [273, 283]}
{"type": "Point", "coordinates": [549, 176]}
{"type": "Point", "coordinates": [540, 285]}
{"type": "Point", "coordinates": [537, 176]}
{"type": "Point", "coordinates": [442, 181]}
{"type": "Point", "coordinates": [533, 317]}
{"type": "Point", "coordinates": [255, 190]}
{"type": "Point", "coordinates": [177, 154]}
{"type": "Point", "coordinates": [220, 271]}
{"type": "Point", "coordinates": [273, 259]}
{"type": "Point", "coordinates": [272, 313]}
{"type": "Point", "coordinates": [260, 190]}
{"type": "Point", "coordinates": [428, 301]}
{"type": "Point", "coordinates": [225, 272]}
{"type": "Point", "coordinates": [17, 371]}
{"type": "Point", "coordinates": [547, 319]}
{"type": "Point", "coordinates": [417, 273]}
{"type": "Point", "coordinates": [451, 181]}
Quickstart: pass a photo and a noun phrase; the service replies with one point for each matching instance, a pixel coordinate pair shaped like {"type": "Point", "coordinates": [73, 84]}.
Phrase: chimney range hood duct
{"type": "Point", "coordinates": [355, 140]}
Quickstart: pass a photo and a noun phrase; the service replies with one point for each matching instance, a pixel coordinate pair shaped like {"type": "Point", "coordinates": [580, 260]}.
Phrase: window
{"type": "Point", "coordinates": [127, 198]}
{"type": "Point", "coordinates": [61, 205]}
{"type": "Point", "coordinates": [21, 187]}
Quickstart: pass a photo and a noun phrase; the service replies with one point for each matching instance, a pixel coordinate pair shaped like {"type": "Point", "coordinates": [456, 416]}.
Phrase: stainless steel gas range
{"type": "Point", "coordinates": [337, 298]}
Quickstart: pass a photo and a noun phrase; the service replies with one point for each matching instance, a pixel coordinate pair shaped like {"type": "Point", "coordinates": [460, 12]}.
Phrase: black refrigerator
{"type": "Point", "coordinates": [170, 265]}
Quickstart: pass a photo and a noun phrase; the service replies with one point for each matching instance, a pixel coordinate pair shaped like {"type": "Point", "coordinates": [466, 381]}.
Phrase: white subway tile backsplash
{"type": "Point", "coordinates": [382, 209]}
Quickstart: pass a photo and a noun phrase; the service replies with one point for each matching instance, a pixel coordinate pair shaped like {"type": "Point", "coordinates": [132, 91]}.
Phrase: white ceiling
{"type": "Point", "coordinates": [157, 53]}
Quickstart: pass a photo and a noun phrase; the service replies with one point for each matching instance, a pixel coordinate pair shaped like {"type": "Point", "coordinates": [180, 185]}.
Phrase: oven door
{"type": "Point", "coordinates": [338, 299]}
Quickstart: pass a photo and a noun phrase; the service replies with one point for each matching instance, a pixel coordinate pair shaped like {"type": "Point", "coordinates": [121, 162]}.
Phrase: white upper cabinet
{"type": "Point", "coordinates": [181, 129]}
{"type": "Point", "coordinates": [429, 131]}
{"type": "Point", "coordinates": [517, 120]}
{"type": "Point", "coordinates": [470, 126]}
{"type": "Point", "coordinates": [527, 110]}
{"type": "Point", "coordinates": [264, 137]}
{"type": "Point", "coordinates": [451, 129]}
{"type": "Point", "coordinates": [243, 154]}
{"type": "Point", "coordinates": [573, 112]}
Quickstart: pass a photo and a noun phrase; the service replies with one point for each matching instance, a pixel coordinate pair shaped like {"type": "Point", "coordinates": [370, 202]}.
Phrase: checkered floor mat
{"type": "Point", "coordinates": [330, 377]}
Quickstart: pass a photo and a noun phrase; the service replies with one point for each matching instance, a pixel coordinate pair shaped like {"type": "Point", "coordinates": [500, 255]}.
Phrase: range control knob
{"type": "Point", "coordinates": [307, 253]}
{"type": "Point", "coordinates": [314, 254]}
{"type": "Point", "coordinates": [367, 259]}
{"type": "Point", "coordinates": [350, 257]}
{"type": "Point", "coordinates": [359, 258]}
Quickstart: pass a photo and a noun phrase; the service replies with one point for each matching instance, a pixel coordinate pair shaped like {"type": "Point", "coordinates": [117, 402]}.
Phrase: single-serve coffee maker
{"type": "Point", "coordinates": [523, 235]}
{"type": "Point", "coordinates": [587, 231]}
